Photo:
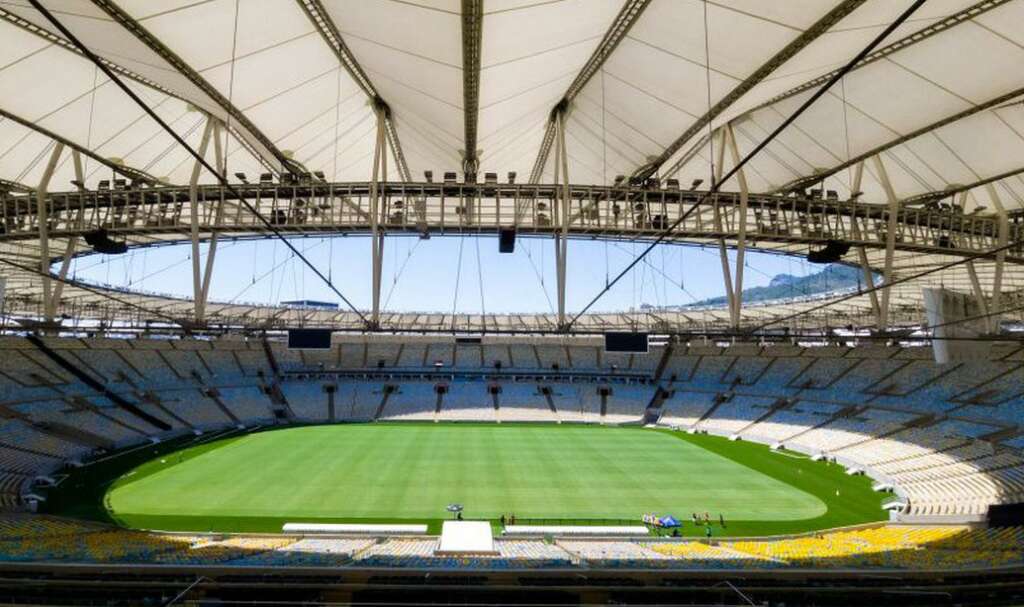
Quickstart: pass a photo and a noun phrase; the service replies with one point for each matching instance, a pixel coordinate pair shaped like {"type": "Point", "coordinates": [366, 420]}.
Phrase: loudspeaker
{"type": "Point", "coordinates": [507, 241]}
{"type": "Point", "coordinates": [832, 253]}
{"type": "Point", "coordinates": [100, 241]}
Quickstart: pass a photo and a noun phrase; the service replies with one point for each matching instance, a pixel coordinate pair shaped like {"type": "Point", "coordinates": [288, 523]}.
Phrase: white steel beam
{"type": "Point", "coordinates": [978, 292]}
{"type": "Point", "coordinates": [58, 287]}
{"type": "Point", "coordinates": [211, 252]}
{"type": "Point", "coordinates": [1001, 242]}
{"type": "Point", "coordinates": [717, 169]}
{"type": "Point", "coordinates": [380, 168]}
{"type": "Point", "coordinates": [862, 252]}
{"type": "Point", "coordinates": [193, 185]}
{"type": "Point", "coordinates": [69, 249]}
{"type": "Point", "coordinates": [472, 40]}
{"type": "Point", "coordinates": [76, 158]}
{"type": "Point", "coordinates": [561, 212]}
{"type": "Point", "coordinates": [727, 277]}
{"type": "Point", "coordinates": [890, 240]}
{"type": "Point", "coordinates": [741, 237]}
{"type": "Point", "coordinates": [44, 226]}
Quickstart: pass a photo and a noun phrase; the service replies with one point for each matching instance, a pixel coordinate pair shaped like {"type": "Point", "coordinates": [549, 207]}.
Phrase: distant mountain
{"type": "Point", "coordinates": [834, 277]}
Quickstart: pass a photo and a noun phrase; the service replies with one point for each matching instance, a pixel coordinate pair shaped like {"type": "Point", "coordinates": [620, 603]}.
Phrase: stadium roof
{"type": "Point", "coordinates": [648, 87]}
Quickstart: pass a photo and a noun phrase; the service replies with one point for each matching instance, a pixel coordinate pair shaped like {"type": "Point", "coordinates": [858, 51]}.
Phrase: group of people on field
{"type": "Point", "coordinates": [706, 518]}
{"type": "Point", "coordinates": [706, 521]}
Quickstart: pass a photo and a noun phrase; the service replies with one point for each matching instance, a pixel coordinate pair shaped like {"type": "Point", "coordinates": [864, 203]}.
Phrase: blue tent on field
{"type": "Point", "coordinates": [668, 521]}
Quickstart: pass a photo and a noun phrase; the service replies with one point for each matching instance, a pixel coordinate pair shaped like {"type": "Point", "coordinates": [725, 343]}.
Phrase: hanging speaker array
{"type": "Point", "coordinates": [832, 253]}
{"type": "Point", "coordinates": [100, 242]}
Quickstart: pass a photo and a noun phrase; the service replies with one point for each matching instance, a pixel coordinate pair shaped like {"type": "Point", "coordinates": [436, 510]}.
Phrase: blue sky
{"type": "Point", "coordinates": [421, 275]}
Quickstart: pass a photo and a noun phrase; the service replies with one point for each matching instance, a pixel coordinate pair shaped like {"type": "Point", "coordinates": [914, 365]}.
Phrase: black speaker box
{"type": "Point", "coordinates": [507, 241]}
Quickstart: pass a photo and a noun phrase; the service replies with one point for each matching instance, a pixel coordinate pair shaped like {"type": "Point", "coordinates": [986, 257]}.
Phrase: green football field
{"type": "Point", "coordinates": [411, 472]}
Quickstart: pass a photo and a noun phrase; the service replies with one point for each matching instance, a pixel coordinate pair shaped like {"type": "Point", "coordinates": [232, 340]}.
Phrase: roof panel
{"type": "Point", "coordinates": [430, 33]}
{"type": "Point", "coordinates": [286, 80]}
{"type": "Point", "coordinates": [971, 62]}
{"type": "Point", "coordinates": [412, 52]}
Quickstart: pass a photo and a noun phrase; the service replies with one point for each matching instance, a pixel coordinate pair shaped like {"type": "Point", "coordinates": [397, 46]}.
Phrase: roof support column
{"type": "Point", "coordinates": [717, 169]}
{"type": "Point", "coordinates": [723, 254]}
{"type": "Point", "coordinates": [76, 158]}
{"type": "Point", "coordinates": [58, 287]}
{"type": "Point", "coordinates": [472, 39]}
{"type": "Point", "coordinates": [562, 201]}
{"type": "Point", "coordinates": [890, 240]}
{"type": "Point", "coordinates": [43, 217]}
{"type": "Point", "coordinates": [978, 292]}
{"type": "Point", "coordinates": [380, 173]}
{"type": "Point", "coordinates": [741, 240]}
{"type": "Point", "coordinates": [193, 196]}
{"type": "Point", "coordinates": [69, 249]}
{"type": "Point", "coordinates": [862, 253]}
{"type": "Point", "coordinates": [1001, 242]}
{"type": "Point", "coordinates": [211, 251]}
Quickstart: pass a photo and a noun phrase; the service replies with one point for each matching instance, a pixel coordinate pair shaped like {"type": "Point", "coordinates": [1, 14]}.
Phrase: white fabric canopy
{"type": "Point", "coordinates": [940, 102]}
{"type": "Point", "coordinates": [268, 60]}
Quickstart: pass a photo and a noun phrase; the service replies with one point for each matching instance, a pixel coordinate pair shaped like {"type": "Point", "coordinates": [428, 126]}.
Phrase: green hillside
{"type": "Point", "coordinates": [833, 277]}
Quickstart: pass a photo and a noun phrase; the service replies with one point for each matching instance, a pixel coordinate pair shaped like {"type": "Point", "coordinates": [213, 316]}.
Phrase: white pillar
{"type": "Point", "coordinates": [716, 169]}
{"type": "Point", "coordinates": [58, 288]}
{"type": "Point", "coordinates": [979, 294]}
{"type": "Point", "coordinates": [727, 277]}
{"type": "Point", "coordinates": [76, 158]}
{"type": "Point", "coordinates": [211, 252]}
{"type": "Point", "coordinates": [890, 240]}
{"type": "Point", "coordinates": [741, 240]}
{"type": "Point", "coordinates": [376, 237]}
{"type": "Point", "coordinates": [43, 216]}
{"type": "Point", "coordinates": [862, 253]}
{"type": "Point", "coordinates": [193, 194]}
{"type": "Point", "coordinates": [1001, 242]}
{"type": "Point", "coordinates": [561, 213]}
{"type": "Point", "coordinates": [69, 249]}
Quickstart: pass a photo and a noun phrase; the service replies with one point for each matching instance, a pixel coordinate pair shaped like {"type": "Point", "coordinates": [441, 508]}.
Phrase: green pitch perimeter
{"type": "Point", "coordinates": [410, 472]}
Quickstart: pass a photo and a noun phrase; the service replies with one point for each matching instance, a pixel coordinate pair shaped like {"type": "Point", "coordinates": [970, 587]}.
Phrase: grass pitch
{"type": "Point", "coordinates": [410, 472]}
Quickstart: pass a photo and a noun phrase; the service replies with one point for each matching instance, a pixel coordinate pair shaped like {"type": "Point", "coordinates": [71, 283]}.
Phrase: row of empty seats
{"type": "Point", "coordinates": [883, 547]}
{"type": "Point", "coordinates": [869, 407]}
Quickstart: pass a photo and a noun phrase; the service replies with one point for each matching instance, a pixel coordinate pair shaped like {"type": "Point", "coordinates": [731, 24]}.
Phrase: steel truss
{"type": "Point", "coordinates": [787, 224]}
{"type": "Point", "coordinates": [164, 214]}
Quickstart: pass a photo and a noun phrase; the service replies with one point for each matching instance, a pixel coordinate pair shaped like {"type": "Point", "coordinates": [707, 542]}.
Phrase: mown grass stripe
{"type": "Point", "coordinates": [408, 472]}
